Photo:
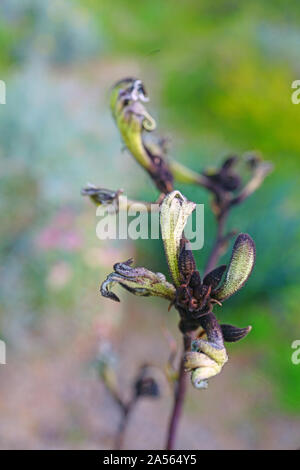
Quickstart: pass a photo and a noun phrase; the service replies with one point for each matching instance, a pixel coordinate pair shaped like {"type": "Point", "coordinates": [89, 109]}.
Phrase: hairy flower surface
{"type": "Point", "coordinates": [138, 281]}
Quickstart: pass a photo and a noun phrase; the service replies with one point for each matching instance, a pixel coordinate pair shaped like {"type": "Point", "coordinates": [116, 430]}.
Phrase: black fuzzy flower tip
{"type": "Point", "coordinates": [146, 387]}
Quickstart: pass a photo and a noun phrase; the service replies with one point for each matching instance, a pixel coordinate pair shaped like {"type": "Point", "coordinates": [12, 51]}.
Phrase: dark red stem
{"type": "Point", "coordinates": [178, 397]}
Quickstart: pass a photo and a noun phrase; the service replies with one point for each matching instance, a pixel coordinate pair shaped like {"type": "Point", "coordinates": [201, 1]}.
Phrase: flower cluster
{"type": "Point", "coordinates": [133, 119]}
{"type": "Point", "coordinates": [193, 298]}
{"type": "Point", "coordinates": [127, 103]}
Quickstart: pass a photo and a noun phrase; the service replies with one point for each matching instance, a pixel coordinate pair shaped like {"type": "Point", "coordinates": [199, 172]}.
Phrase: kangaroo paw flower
{"type": "Point", "coordinates": [138, 281]}
{"type": "Point", "coordinates": [240, 267]}
{"type": "Point", "coordinates": [207, 356]}
{"type": "Point", "coordinates": [204, 363]}
{"type": "Point", "coordinates": [175, 210]}
{"type": "Point", "coordinates": [132, 119]}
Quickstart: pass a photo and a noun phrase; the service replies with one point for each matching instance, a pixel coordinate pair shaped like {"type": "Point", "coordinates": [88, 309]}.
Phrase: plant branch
{"type": "Point", "coordinates": [109, 381]}
{"type": "Point", "coordinates": [183, 174]}
{"type": "Point", "coordinates": [126, 413]}
{"type": "Point", "coordinates": [220, 242]}
{"type": "Point", "coordinates": [144, 385]}
{"type": "Point", "coordinates": [179, 395]}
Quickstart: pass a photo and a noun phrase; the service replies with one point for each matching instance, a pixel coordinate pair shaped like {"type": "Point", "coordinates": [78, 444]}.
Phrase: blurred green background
{"type": "Point", "coordinates": [219, 77]}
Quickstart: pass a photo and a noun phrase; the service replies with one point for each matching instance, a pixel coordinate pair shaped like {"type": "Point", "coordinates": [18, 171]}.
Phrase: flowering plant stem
{"type": "Point", "coordinates": [179, 395]}
{"type": "Point", "coordinates": [181, 384]}
{"type": "Point", "coordinates": [194, 297]}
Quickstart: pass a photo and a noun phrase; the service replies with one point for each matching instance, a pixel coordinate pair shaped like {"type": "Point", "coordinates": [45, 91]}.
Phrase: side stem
{"type": "Point", "coordinates": [218, 244]}
{"type": "Point", "coordinates": [126, 412]}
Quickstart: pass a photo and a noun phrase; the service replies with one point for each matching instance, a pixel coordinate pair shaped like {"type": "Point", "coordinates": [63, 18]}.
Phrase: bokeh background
{"type": "Point", "coordinates": [219, 76]}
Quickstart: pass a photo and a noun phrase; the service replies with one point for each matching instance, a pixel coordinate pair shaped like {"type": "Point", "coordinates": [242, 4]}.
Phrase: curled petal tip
{"type": "Point", "coordinates": [200, 376]}
{"type": "Point", "coordinates": [119, 267]}
{"type": "Point", "coordinates": [199, 384]}
{"type": "Point", "coordinates": [105, 290]}
{"type": "Point", "coordinates": [205, 360]}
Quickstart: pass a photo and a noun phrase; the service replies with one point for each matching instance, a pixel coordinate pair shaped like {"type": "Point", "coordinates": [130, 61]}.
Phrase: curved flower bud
{"type": "Point", "coordinates": [202, 368]}
{"type": "Point", "coordinates": [175, 210]}
{"type": "Point", "coordinates": [194, 359]}
{"type": "Point", "coordinates": [207, 356]}
{"type": "Point", "coordinates": [131, 89]}
{"type": "Point", "coordinates": [200, 375]}
{"type": "Point", "coordinates": [138, 281]}
{"type": "Point", "coordinates": [240, 267]}
{"type": "Point", "coordinates": [231, 333]}
{"type": "Point", "coordinates": [204, 363]}
{"type": "Point", "coordinates": [186, 260]}
{"type": "Point", "coordinates": [132, 119]}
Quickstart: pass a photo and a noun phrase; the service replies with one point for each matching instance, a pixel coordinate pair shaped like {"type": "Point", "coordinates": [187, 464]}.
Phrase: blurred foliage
{"type": "Point", "coordinates": [219, 75]}
{"type": "Point", "coordinates": [50, 31]}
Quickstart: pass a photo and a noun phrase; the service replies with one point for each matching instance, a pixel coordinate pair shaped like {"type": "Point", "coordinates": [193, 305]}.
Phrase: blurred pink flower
{"type": "Point", "coordinates": [61, 233]}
